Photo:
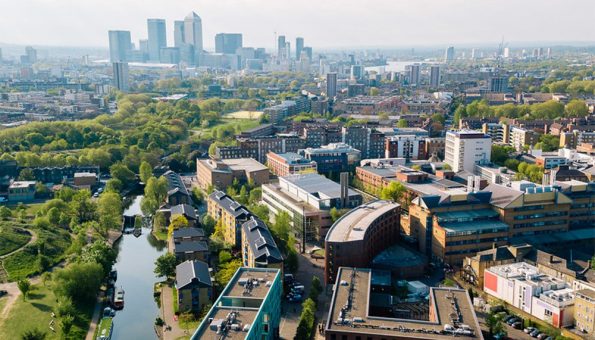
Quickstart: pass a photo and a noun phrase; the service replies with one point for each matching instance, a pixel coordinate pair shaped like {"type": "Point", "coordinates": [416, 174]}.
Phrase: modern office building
{"type": "Point", "coordinates": [369, 142]}
{"type": "Point", "coordinates": [248, 308]}
{"type": "Point", "coordinates": [465, 148]}
{"type": "Point", "coordinates": [359, 235]}
{"type": "Point", "coordinates": [308, 200]}
{"type": "Point", "coordinates": [358, 311]}
{"type": "Point", "coordinates": [170, 55]}
{"type": "Point", "coordinates": [259, 249]}
{"type": "Point", "coordinates": [220, 174]}
{"type": "Point", "coordinates": [179, 38]}
{"type": "Point", "coordinates": [193, 36]}
{"type": "Point", "coordinates": [334, 157]}
{"type": "Point", "coordinates": [194, 285]}
{"type": "Point", "coordinates": [157, 38]}
{"type": "Point", "coordinates": [308, 51]}
{"type": "Point", "coordinates": [331, 85]}
{"type": "Point", "coordinates": [120, 80]}
{"type": "Point", "coordinates": [434, 76]}
{"type": "Point", "coordinates": [524, 287]}
{"type": "Point", "coordinates": [281, 48]}
{"type": "Point", "coordinates": [289, 163]}
{"type": "Point", "coordinates": [449, 55]}
{"type": "Point", "coordinates": [230, 214]}
{"type": "Point", "coordinates": [299, 47]}
{"type": "Point", "coordinates": [404, 146]}
{"type": "Point", "coordinates": [498, 84]}
{"type": "Point", "coordinates": [120, 45]}
{"type": "Point", "coordinates": [414, 75]}
{"type": "Point", "coordinates": [228, 43]}
{"type": "Point", "coordinates": [357, 73]}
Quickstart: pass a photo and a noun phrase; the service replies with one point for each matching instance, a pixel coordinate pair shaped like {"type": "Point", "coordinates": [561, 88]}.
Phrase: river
{"type": "Point", "coordinates": [135, 264]}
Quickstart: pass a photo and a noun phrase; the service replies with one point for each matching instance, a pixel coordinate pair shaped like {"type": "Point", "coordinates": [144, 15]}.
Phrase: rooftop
{"type": "Point", "coordinates": [227, 203]}
{"type": "Point", "coordinates": [353, 225]}
{"type": "Point", "coordinates": [245, 164]}
{"type": "Point", "coordinates": [188, 232]}
{"type": "Point", "coordinates": [260, 240]}
{"type": "Point", "coordinates": [317, 185]}
{"type": "Point", "coordinates": [239, 303]}
{"type": "Point", "coordinates": [21, 184]}
{"type": "Point", "coordinates": [189, 272]}
{"type": "Point", "coordinates": [350, 311]}
{"type": "Point", "coordinates": [190, 246]}
{"type": "Point", "coordinates": [292, 158]}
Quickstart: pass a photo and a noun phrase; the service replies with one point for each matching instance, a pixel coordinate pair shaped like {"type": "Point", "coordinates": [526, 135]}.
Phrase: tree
{"type": "Point", "coordinates": [159, 222]}
{"type": "Point", "coordinates": [26, 175]}
{"type": "Point", "coordinates": [113, 185]}
{"type": "Point", "coordinates": [66, 323]}
{"type": "Point", "coordinates": [394, 191]}
{"type": "Point", "coordinates": [121, 172]}
{"type": "Point", "coordinates": [226, 271]}
{"type": "Point", "coordinates": [5, 213]}
{"type": "Point", "coordinates": [25, 287]}
{"type": "Point", "coordinates": [208, 224]}
{"type": "Point", "coordinates": [374, 91]}
{"type": "Point", "coordinates": [500, 153]}
{"type": "Point", "coordinates": [34, 334]}
{"type": "Point", "coordinates": [165, 265]}
{"type": "Point", "coordinates": [79, 282]}
{"type": "Point", "coordinates": [99, 252]}
{"type": "Point", "coordinates": [495, 325]}
{"type": "Point", "coordinates": [224, 256]}
{"type": "Point", "coordinates": [281, 226]}
{"type": "Point", "coordinates": [402, 123]}
{"type": "Point", "coordinates": [549, 143]}
{"type": "Point", "coordinates": [459, 113]}
{"type": "Point", "coordinates": [145, 171]}
{"type": "Point", "coordinates": [178, 222]}
{"type": "Point", "coordinates": [155, 194]}
{"type": "Point", "coordinates": [109, 208]}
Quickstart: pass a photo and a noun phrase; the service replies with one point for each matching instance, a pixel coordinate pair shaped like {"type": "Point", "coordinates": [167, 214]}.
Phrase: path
{"type": "Point", "coordinates": [167, 310]}
{"type": "Point", "coordinates": [31, 241]}
{"type": "Point", "coordinates": [95, 318]}
{"type": "Point", "coordinates": [14, 292]}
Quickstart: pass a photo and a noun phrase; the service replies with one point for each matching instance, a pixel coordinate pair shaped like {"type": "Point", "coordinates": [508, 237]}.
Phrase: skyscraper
{"type": "Point", "coordinates": [281, 47]}
{"type": "Point", "coordinates": [498, 84]}
{"type": "Point", "coordinates": [228, 43]}
{"type": "Point", "coordinates": [299, 47]}
{"type": "Point", "coordinates": [157, 37]}
{"type": "Point", "coordinates": [472, 53]}
{"type": "Point", "coordinates": [435, 76]}
{"type": "Point", "coordinates": [414, 75]}
{"type": "Point", "coordinates": [120, 45]}
{"type": "Point", "coordinates": [179, 38]}
{"type": "Point", "coordinates": [121, 76]}
{"type": "Point", "coordinates": [449, 55]}
{"type": "Point", "coordinates": [193, 35]}
{"type": "Point", "coordinates": [308, 51]}
{"type": "Point", "coordinates": [357, 72]}
{"type": "Point", "coordinates": [331, 85]}
{"type": "Point", "coordinates": [31, 54]}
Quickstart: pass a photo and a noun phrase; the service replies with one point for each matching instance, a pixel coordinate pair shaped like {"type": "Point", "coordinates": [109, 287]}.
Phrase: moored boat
{"type": "Point", "coordinates": [105, 328]}
{"type": "Point", "coordinates": [119, 298]}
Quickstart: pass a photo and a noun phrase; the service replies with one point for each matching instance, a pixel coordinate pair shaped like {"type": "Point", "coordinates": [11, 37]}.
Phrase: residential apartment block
{"type": "Point", "coordinates": [194, 285]}
{"type": "Point", "coordinates": [466, 148]}
{"type": "Point", "coordinates": [289, 163]}
{"type": "Point", "coordinates": [230, 214]}
{"type": "Point", "coordinates": [220, 174]}
{"type": "Point", "coordinates": [259, 249]}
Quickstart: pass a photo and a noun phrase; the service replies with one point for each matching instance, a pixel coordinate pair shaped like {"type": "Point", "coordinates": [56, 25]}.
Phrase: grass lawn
{"type": "Point", "coordinates": [36, 313]}
{"type": "Point", "coordinates": [160, 234]}
{"type": "Point", "coordinates": [244, 114]}
{"type": "Point", "coordinates": [11, 238]}
{"type": "Point", "coordinates": [240, 124]}
{"type": "Point", "coordinates": [175, 299]}
{"type": "Point", "coordinates": [25, 263]}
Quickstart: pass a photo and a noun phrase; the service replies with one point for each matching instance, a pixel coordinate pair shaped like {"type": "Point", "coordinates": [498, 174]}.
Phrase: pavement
{"type": "Point", "coordinates": [167, 312]}
{"type": "Point", "coordinates": [95, 318]}
{"type": "Point", "coordinates": [308, 267]}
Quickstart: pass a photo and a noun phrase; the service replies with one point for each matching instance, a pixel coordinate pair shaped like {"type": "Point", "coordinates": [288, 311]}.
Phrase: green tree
{"type": "Point", "coordinates": [394, 191]}
{"type": "Point", "coordinates": [145, 171]}
{"type": "Point", "coordinates": [79, 282]}
{"type": "Point", "coordinates": [155, 194]}
{"type": "Point", "coordinates": [226, 272]}
{"type": "Point", "coordinates": [99, 252]}
{"type": "Point", "coordinates": [165, 265]}
{"type": "Point", "coordinates": [34, 334]}
{"type": "Point", "coordinates": [577, 108]}
{"type": "Point", "coordinates": [25, 287]}
{"type": "Point", "coordinates": [159, 222]}
{"type": "Point", "coordinates": [66, 323]}
{"type": "Point", "coordinates": [26, 175]}
{"type": "Point", "coordinates": [122, 173]}
{"type": "Point", "coordinates": [224, 256]}
{"type": "Point", "coordinates": [208, 224]}
{"type": "Point", "coordinates": [5, 213]}
{"type": "Point", "coordinates": [176, 223]}
{"type": "Point", "coordinates": [500, 153]}
{"type": "Point", "coordinates": [374, 91]}
{"type": "Point", "coordinates": [402, 123]}
{"type": "Point", "coordinates": [281, 226]}
{"type": "Point", "coordinates": [109, 207]}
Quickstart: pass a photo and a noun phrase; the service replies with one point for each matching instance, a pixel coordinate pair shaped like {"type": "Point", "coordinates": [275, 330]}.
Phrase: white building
{"type": "Point", "coordinates": [522, 286]}
{"type": "Point", "coordinates": [464, 149]}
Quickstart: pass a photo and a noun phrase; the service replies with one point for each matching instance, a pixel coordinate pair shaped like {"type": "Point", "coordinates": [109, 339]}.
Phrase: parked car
{"type": "Point", "coordinates": [517, 325]}
{"type": "Point", "coordinates": [535, 333]}
{"type": "Point", "coordinates": [528, 330]}
{"type": "Point", "coordinates": [3, 292]}
{"type": "Point", "coordinates": [508, 318]}
{"type": "Point", "coordinates": [542, 336]}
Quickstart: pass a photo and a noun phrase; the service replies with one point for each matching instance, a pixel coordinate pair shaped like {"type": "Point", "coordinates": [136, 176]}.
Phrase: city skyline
{"type": "Point", "coordinates": [331, 25]}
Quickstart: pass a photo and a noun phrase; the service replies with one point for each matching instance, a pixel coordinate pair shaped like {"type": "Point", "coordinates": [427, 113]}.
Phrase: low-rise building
{"type": "Point", "coordinates": [188, 234]}
{"type": "Point", "coordinates": [21, 191]}
{"type": "Point", "coordinates": [194, 285]}
{"type": "Point", "coordinates": [584, 311]}
{"type": "Point", "coordinates": [259, 249]}
{"type": "Point", "coordinates": [308, 200]}
{"type": "Point", "coordinates": [289, 163]}
{"type": "Point", "coordinates": [335, 158]}
{"type": "Point", "coordinates": [248, 308]}
{"type": "Point", "coordinates": [354, 313]}
{"type": "Point", "coordinates": [191, 250]}
{"type": "Point", "coordinates": [220, 174]}
{"type": "Point", "coordinates": [524, 287]}
{"type": "Point", "coordinates": [359, 235]}
{"type": "Point", "coordinates": [85, 179]}
{"type": "Point", "coordinates": [230, 214]}
{"type": "Point", "coordinates": [176, 190]}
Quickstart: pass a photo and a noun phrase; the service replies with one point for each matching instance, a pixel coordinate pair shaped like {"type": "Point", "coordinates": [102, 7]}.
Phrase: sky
{"type": "Point", "coordinates": [322, 23]}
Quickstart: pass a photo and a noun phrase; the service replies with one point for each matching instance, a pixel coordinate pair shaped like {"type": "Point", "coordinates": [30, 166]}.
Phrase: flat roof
{"type": "Point", "coordinates": [246, 164]}
{"type": "Point", "coordinates": [449, 304]}
{"type": "Point", "coordinates": [458, 227]}
{"type": "Point", "coordinates": [317, 185]}
{"type": "Point", "coordinates": [353, 225]}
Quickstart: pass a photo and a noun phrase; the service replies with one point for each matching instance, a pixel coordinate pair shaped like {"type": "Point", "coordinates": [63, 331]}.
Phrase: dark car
{"type": "Point", "coordinates": [517, 325]}
{"type": "Point", "coordinates": [535, 333]}
{"type": "Point", "coordinates": [3, 292]}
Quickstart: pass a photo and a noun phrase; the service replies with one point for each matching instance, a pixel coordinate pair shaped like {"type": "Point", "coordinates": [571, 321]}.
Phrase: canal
{"type": "Point", "coordinates": [135, 264]}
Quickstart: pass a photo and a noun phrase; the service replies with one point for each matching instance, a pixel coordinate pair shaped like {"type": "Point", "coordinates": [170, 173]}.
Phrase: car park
{"type": "Point", "coordinates": [517, 325]}
{"type": "Point", "coordinates": [529, 329]}
{"type": "Point", "coordinates": [535, 333]}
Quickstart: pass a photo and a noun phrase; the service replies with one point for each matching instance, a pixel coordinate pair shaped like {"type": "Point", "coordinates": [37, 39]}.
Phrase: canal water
{"type": "Point", "coordinates": [135, 264]}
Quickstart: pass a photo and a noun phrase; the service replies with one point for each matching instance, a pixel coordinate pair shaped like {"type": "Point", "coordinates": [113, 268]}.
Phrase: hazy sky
{"type": "Point", "coordinates": [322, 23]}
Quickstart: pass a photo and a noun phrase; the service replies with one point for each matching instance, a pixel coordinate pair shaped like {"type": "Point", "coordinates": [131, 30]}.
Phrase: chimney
{"type": "Point", "coordinates": [551, 258]}
{"type": "Point", "coordinates": [344, 181]}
